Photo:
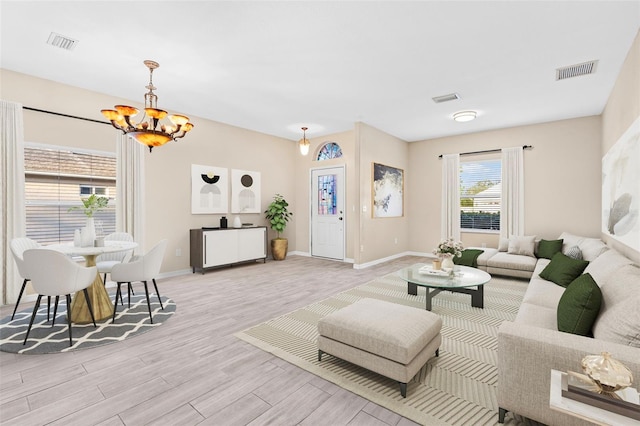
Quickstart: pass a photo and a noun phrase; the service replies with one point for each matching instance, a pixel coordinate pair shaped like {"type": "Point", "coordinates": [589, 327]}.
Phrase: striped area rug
{"type": "Point", "coordinates": [457, 388]}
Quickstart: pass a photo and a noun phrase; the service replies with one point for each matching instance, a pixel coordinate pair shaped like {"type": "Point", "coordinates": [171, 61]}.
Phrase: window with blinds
{"type": "Point", "coordinates": [57, 178]}
{"type": "Point", "coordinates": [480, 194]}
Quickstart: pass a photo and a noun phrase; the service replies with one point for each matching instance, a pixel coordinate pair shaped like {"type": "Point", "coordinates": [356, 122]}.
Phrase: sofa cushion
{"type": "Point", "coordinates": [622, 283]}
{"type": "Point", "coordinates": [522, 245]}
{"type": "Point", "coordinates": [503, 244]}
{"type": "Point", "coordinates": [591, 248]}
{"type": "Point", "coordinates": [569, 240]}
{"type": "Point", "coordinates": [603, 267]}
{"type": "Point", "coordinates": [547, 248]}
{"type": "Point", "coordinates": [469, 257]}
{"type": "Point", "coordinates": [512, 261]}
{"type": "Point", "coordinates": [579, 306]}
{"type": "Point", "coordinates": [562, 269]}
{"type": "Point", "coordinates": [620, 323]}
{"type": "Point", "coordinates": [484, 257]}
{"type": "Point", "coordinates": [537, 316]}
{"type": "Point", "coordinates": [543, 293]}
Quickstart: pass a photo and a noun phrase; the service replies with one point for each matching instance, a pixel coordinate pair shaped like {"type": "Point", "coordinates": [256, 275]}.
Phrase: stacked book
{"type": "Point", "coordinates": [428, 270]}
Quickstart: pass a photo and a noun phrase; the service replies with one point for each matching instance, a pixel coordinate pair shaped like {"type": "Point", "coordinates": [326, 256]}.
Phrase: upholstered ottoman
{"type": "Point", "coordinates": [392, 340]}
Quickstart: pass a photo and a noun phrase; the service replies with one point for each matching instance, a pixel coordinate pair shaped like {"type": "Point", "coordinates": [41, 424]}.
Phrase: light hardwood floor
{"type": "Point", "coordinates": [192, 370]}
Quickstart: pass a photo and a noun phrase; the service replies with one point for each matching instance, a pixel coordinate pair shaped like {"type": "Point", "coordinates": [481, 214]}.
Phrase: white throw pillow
{"type": "Point", "coordinates": [592, 248]}
{"type": "Point", "coordinates": [522, 245]}
{"type": "Point", "coordinates": [503, 245]}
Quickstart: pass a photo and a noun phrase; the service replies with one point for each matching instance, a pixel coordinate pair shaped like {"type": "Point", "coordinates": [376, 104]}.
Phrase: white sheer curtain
{"type": "Point", "coordinates": [12, 201]}
{"type": "Point", "coordinates": [130, 189]}
{"type": "Point", "coordinates": [512, 203]}
{"type": "Point", "coordinates": [450, 222]}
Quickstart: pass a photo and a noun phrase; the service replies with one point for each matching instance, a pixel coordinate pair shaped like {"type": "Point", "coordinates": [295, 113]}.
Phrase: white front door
{"type": "Point", "coordinates": [327, 213]}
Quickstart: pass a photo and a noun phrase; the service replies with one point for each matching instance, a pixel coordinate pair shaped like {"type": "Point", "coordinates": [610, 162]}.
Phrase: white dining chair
{"type": "Point", "coordinates": [18, 247]}
{"type": "Point", "coordinates": [140, 269]}
{"type": "Point", "coordinates": [54, 274]}
{"type": "Point", "coordinates": [105, 262]}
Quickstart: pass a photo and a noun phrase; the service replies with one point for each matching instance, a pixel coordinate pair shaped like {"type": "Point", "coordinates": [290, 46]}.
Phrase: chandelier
{"type": "Point", "coordinates": [304, 142]}
{"type": "Point", "coordinates": [146, 131]}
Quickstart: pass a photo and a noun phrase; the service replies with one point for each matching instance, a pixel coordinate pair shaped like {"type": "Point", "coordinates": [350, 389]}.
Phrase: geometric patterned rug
{"type": "Point", "coordinates": [44, 339]}
{"type": "Point", "coordinates": [456, 388]}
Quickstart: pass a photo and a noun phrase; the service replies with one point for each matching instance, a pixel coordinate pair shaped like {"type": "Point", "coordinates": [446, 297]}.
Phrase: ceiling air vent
{"type": "Point", "coordinates": [446, 98]}
{"type": "Point", "coordinates": [576, 70]}
{"type": "Point", "coordinates": [63, 42]}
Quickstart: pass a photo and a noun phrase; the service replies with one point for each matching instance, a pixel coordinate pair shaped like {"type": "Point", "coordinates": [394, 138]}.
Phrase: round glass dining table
{"type": "Point", "coordinates": [100, 301]}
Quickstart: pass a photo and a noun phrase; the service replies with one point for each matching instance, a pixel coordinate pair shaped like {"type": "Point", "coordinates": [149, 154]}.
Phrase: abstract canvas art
{"type": "Point", "coordinates": [209, 190]}
{"type": "Point", "coordinates": [621, 188]}
{"type": "Point", "coordinates": [388, 191]}
{"type": "Point", "coordinates": [245, 191]}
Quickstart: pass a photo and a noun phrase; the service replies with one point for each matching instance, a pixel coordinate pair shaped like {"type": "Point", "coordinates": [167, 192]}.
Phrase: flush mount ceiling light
{"type": "Point", "coordinates": [304, 142]}
{"type": "Point", "coordinates": [146, 132]}
{"type": "Point", "coordinates": [462, 116]}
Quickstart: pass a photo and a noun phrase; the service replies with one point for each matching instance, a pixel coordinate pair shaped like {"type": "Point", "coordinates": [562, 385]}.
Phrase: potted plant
{"type": "Point", "coordinates": [446, 250]}
{"type": "Point", "coordinates": [278, 215]}
{"type": "Point", "coordinates": [91, 205]}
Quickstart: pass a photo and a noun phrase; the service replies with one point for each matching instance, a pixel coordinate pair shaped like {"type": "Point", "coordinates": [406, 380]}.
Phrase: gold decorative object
{"type": "Point", "coordinates": [147, 132]}
{"type": "Point", "coordinates": [604, 374]}
{"type": "Point", "coordinates": [279, 248]}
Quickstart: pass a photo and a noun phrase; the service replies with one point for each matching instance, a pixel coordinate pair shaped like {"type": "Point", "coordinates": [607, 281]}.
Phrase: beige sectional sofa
{"type": "Point", "coordinates": [531, 346]}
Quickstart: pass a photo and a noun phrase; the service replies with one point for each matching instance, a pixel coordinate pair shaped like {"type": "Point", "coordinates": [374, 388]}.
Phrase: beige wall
{"type": "Point", "coordinates": [379, 238]}
{"type": "Point", "coordinates": [622, 109]}
{"type": "Point", "coordinates": [562, 179]}
{"type": "Point", "coordinates": [167, 169]}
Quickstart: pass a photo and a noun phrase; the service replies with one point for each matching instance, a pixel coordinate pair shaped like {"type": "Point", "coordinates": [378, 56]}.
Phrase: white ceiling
{"type": "Point", "coordinates": [276, 66]}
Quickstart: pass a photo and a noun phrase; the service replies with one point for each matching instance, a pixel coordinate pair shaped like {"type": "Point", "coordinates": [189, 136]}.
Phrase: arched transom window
{"type": "Point", "coordinates": [329, 150]}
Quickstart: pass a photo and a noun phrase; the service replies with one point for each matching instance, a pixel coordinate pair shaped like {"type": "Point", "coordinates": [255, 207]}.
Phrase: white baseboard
{"type": "Point", "coordinates": [307, 254]}
{"type": "Point", "coordinates": [392, 257]}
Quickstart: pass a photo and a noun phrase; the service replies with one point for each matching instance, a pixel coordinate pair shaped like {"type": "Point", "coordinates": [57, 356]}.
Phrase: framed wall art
{"type": "Point", "coordinates": [388, 191]}
{"type": "Point", "coordinates": [620, 188]}
{"type": "Point", "coordinates": [209, 190]}
{"type": "Point", "coordinates": [245, 191]}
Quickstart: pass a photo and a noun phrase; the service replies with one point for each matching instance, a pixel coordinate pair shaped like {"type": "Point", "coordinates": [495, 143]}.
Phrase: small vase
{"type": "Point", "coordinates": [447, 263]}
{"type": "Point", "coordinates": [85, 237]}
{"type": "Point", "coordinates": [237, 223]}
{"type": "Point", "coordinates": [91, 230]}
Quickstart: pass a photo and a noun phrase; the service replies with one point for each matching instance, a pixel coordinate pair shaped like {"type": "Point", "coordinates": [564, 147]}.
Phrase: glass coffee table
{"type": "Point", "coordinates": [462, 280]}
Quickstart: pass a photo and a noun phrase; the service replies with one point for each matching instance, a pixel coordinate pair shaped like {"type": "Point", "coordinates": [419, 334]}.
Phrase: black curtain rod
{"type": "Point", "coordinates": [488, 151]}
{"type": "Point", "coordinates": [66, 115]}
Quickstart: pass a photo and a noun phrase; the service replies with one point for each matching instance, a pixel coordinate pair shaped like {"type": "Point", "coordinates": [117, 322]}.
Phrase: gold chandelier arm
{"type": "Point", "coordinates": [185, 129]}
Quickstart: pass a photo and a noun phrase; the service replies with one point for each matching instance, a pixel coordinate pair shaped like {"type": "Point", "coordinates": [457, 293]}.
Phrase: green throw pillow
{"type": "Point", "coordinates": [469, 258]}
{"type": "Point", "coordinates": [546, 248]}
{"type": "Point", "coordinates": [562, 269]}
{"type": "Point", "coordinates": [579, 306]}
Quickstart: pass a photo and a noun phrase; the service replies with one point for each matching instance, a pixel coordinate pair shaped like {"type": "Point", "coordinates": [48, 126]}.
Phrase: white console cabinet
{"type": "Point", "coordinates": [212, 247]}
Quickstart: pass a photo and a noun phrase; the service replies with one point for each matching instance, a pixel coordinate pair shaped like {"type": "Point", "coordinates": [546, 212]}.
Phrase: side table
{"type": "Point", "coordinates": [584, 411]}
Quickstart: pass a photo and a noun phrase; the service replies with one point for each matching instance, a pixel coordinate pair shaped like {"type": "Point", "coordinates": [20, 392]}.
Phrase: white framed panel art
{"type": "Point", "coordinates": [621, 188]}
{"type": "Point", "coordinates": [245, 191]}
{"type": "Point", "coordinates": [209, 190]}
